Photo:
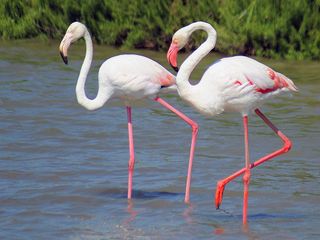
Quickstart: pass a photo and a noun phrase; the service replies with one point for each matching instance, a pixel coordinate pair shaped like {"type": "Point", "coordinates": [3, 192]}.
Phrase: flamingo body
{"type": "Point", "coordinates": [132, 77]}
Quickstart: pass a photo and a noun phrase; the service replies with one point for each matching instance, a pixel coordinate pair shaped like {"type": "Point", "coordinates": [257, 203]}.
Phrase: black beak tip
{"type": "Point", "coordinates": [175, 68]}
{"type": "Point", "coordinates": [64, 58]}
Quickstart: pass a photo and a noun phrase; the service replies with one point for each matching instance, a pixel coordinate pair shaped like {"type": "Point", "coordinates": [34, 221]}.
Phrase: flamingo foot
{"type": "Point", "coordinates": [219, 193]}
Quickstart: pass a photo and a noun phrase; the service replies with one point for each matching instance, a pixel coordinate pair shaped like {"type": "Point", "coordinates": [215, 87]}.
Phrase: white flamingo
{"type": "Point", "coordinates": [234, 84]}
{"type": "Point", "coordinates": [128, 77]}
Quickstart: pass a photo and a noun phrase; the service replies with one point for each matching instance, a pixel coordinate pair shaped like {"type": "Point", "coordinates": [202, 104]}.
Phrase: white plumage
{"type": "Point", "coordinates": [132, 77]}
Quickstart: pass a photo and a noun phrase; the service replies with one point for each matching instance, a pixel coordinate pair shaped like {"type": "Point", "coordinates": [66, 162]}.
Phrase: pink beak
{"type": "Point", "coordinates": [64, 45]}
{"type": "Point", "coordinates": [172, 56]}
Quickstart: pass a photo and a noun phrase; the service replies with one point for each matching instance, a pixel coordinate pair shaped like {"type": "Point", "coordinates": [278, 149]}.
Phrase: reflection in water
{"type": "Point", "coordinates": [251, 235]}
{"type": "Point", "coordinates": [245, 228]}
{"type": "Point", "coordinates": [188, 212]}
{"type": "Point", "coordinates": [132, 213]}
{"type": "Point", "coordinates": [218, 231]}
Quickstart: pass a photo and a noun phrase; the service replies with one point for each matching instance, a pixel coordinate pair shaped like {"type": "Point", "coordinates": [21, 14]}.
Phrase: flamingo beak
{"type": "Point", "coordinates": [64, 45]}
{"type": "Point", "coordinates": [172, 56]}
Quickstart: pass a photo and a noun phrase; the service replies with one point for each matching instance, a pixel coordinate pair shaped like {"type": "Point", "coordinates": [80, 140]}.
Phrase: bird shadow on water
{"type": "Point", "coordinates": [134, 208]}
{"type": "Point", "coordinates": [256, 216]}
{"type": "Point", "coordinates": [118, 193]}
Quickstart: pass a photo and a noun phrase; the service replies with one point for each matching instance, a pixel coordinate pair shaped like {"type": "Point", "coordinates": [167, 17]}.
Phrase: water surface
{"type": "Point", "coordinates": [63, 169]}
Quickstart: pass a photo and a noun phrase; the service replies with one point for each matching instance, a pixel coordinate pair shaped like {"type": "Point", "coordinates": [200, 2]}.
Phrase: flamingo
{"type": "Point", "coordinates": [232, 84]}
{"type": "Point", "coordinates": [127, 77]}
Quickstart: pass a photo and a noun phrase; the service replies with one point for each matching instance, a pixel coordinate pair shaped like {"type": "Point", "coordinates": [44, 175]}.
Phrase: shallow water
{"type": "Point", "coordinates": [63, 169]}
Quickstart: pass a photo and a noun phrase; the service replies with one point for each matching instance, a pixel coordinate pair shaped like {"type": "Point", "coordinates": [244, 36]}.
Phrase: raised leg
{"type": "Point", "coordinates": [285, 148]}
{"type": "Point", "coordinates": [131, 151]}
{"type": "Point", "coordinates": [246, 176]}
{"type": "Point", "coordinates": [195, 129]}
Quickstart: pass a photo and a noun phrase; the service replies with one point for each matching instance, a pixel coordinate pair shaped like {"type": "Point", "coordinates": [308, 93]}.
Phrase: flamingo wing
{"type": "Point", "coordinates": [263, 78]}
{"type": "Point", "coordinates": [134, 86]}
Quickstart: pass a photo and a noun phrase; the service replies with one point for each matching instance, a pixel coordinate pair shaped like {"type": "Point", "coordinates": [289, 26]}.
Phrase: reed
{"type": "Point", "coordinates": [276, 28]}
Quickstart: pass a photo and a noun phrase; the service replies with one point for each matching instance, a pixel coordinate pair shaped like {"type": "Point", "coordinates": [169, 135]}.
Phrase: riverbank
{"type": "Point", "coordinates": [276, 29]}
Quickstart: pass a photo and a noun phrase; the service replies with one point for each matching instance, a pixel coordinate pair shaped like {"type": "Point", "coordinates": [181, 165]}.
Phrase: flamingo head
{"type": "Point", "coordinates": [74, 32]}
{"type": "Point", "coordinates": [179, 40]}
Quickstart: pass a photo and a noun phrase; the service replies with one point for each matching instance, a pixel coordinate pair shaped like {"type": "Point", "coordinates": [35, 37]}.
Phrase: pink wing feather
{"type": "Point", "coordinates": [262, 77]}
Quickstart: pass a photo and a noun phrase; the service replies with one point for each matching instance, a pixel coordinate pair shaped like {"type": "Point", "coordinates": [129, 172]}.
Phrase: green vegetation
{"type": "Point", "coordinates": [270, 28]}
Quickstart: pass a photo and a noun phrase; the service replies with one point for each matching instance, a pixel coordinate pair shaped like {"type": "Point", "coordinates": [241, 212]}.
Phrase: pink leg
{"type": "Point", "coordinates": [246, 176]}
{"type": "Point", "coordinates": [286, 147]}
{"type": "Point", "coordinates": [131, 151]}
{"type": "Point", "coordinates": [195, 128]}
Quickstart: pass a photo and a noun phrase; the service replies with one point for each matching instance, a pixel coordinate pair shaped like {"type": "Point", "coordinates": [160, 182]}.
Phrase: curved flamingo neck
{"type": "Point", "coordinates": [182, 78]}
{"type": "Point", "coordinates": [101, 98]}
